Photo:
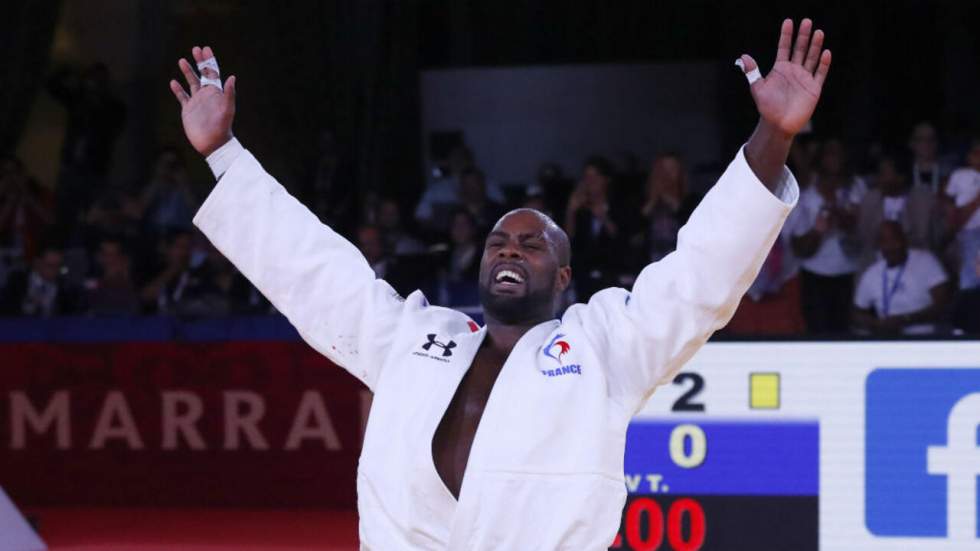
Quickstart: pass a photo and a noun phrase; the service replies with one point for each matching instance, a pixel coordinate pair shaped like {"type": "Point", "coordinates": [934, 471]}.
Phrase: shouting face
{"type": "Point", "coordinates": [524, 268]}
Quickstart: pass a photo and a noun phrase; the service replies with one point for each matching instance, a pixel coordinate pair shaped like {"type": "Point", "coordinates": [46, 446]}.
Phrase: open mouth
{"type": "Point", "coordinates": [508, 278]}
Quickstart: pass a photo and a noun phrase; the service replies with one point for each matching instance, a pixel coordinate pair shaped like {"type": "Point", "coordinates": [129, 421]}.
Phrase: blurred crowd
{"type": "Point", "coordinates": [882, 242]}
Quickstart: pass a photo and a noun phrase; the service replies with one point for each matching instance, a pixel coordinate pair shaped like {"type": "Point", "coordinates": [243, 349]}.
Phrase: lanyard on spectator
{"type": "Point", "coordinates": [886, 295]}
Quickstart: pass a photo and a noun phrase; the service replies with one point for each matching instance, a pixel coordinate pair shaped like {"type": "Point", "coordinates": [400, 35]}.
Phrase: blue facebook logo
{"type": "Point", "coordinates": [922, 453]}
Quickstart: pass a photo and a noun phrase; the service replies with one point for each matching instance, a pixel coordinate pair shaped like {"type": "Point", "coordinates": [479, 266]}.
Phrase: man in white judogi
{"type": "Point", "coordinates": [511, 435]}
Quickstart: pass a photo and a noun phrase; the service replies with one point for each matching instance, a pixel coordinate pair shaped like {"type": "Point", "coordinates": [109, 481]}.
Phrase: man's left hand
{"type": "Point", "coordinates": [787, 96]}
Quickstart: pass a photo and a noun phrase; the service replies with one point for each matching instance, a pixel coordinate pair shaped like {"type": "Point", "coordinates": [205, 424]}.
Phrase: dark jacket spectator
{"type": "Point", "coordinates": [41, 291]}
{"type": "Point", "coordinates": [168, 202]}
{"type": "Point", "coordinates": [327, 189]}
{"type": "Point", "coordinates": [667, 205]}
{"type": "Point", "coordinates": [398, 240]}
{"type": "Point", "coordinates": [112, 292]}
{"type": "Point", "coordinates": [596, 232]}
{"type": "Point", "coordinates": [26, 209]}
{"type": "Point", "coordinates": [461, 268]}
{"type": "Point", "coordinates": [95, 120]}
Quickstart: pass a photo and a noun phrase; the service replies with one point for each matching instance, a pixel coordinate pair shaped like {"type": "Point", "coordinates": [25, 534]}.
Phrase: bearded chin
{"type": "Point", "coordinates": [510, 310]}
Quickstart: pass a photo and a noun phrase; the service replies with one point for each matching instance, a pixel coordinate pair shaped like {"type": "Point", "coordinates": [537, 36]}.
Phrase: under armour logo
{"type": "Point", "coordinates": [447, 348]}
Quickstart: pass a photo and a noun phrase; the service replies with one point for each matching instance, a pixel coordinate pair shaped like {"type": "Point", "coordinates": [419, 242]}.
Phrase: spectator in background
{"type": "Point", "coordinates": [443, 195]}
{"type": "Point", "coordinates": [904, 292]}
{"type": "Point", "coordinates": [371, 243]}
{"type": "Point", "coordinates": [328, 192]}
{"type": "Point", "coordinates": [966, 315]}
{"type": "Point", "coordinates": [26, 210]}
{"type": "Point", "coordinates": [772, 304]}
{"type": "Point", "coordinates": [465, 248]}
{"type": "Point", "coordinates": [95, 119]}
{"type": "Point", "coordinates": [927, 171]}
{"type": "Point", "coordinates": [667, 205]}
{"type": "Point", "coordinates": [166, 287]}
{"type": "Point", "coordinates": [462, 263]}
{"type": "Point", "coordinates": [534, 198]}
{"type": "Point", "coordinates": [595, 231]}
{"type": "Point", "coordinates": [552, 188]}
{"type": "Point", "coordinates": [893, 199]}
{"type": "Point", "coordinates": [116, 212]}
{"type": "Point", "coordinates": [834, 170]}
{"type": "Point", "coordinates": [398, 241]}
{"type": "Point", "coordinates": [168, 202]}
{"type": "Point", "coordinates": [194, 281]}
{"type": "Point", "coordinates": [964, 216]}
{"type": "Point", "coordinates": [41, 291]}
{"type": "Point", "coordinates": [473, 199]}
{"type": "Point", "coordinates": [112, 291]}
{"type": "Point", "coordinates": [217, 288]}
{"type": "Point", "coordinates": [822, 231]}
{"type": "Point", "coordinates": [803, 155]}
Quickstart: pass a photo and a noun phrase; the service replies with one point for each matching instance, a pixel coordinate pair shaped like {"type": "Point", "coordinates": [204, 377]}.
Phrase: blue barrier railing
{"type": "Point", "coordinates": [146, 329]}
{"type": "Point", "coordinates": [156, 329]}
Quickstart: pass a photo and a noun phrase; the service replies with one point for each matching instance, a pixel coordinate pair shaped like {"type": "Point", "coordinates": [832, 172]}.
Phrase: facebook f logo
{"type": "Point", "coordinates": [923, 453]}
{"type": "Point", "coordinates": [959, 462]}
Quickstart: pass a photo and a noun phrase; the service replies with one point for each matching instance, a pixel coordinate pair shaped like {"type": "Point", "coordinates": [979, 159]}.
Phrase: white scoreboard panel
{"type": "Point", "coordinates": [818, 445]}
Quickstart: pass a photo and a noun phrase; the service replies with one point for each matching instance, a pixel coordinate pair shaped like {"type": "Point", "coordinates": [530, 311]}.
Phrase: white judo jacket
{"type": "Point", "coordinates": [545, 470]}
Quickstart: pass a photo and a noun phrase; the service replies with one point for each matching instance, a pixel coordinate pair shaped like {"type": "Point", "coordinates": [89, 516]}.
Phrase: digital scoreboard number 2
{"type": "Point", "coordinates": [687, 400]}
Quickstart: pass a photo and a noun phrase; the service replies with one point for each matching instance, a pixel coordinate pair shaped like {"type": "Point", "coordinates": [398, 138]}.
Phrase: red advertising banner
{"type": "Point", "coordinates": [242, 424]}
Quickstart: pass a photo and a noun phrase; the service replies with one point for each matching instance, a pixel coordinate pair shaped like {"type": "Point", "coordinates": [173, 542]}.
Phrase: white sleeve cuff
{"type": "Point", "coordinates": [222, 158]}
{"type": "Point", "coordinates": [786, 189]}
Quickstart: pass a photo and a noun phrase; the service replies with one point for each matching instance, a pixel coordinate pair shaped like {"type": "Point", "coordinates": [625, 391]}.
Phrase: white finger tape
{"type": "Point", "coordinates": [752, 75]}
{"type": "Point", "coordinates": [210, 63]}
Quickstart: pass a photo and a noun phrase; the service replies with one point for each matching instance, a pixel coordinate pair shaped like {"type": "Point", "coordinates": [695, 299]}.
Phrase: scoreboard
{"type": "Point", "coordinates": [809, 446]}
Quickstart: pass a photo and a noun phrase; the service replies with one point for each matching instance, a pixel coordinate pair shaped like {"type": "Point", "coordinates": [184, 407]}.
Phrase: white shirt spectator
{"type": "Point", "coordinates": [445, 193]}
{"type": "Point", "coordinates": [898, 290]}
{"type": "Point", "coordinates": [832, 258]}
{"type": "Point", "coordinates": [963, 187]}
{"type": "Point", "coordinates": [929, 176]}
{"type": "Point", "coordinates": [893, 208]}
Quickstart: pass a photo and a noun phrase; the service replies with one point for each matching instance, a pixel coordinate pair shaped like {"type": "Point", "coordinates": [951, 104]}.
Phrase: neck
{"type": "Point", "coordinates": [895, 262]}
{"type": "Point", "coordinates": [503, 336]}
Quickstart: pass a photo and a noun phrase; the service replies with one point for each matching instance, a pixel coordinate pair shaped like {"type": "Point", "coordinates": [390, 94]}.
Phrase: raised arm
{"type": "Point", "coordinates": [785, 98]}
{"type": "Point", "coordinates": [315, 277]}
{"type": "Point", "coordinates": [677, 303]}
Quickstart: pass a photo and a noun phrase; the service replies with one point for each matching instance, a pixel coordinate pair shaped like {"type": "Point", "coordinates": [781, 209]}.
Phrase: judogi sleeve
{"type": "Point", "coordinates": [315, 277]}
{"type": "Point", "coordinates": [646, 336]}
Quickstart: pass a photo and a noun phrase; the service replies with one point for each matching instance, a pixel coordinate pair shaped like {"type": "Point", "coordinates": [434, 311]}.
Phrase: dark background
{"type": "Point", "coordinates": [352, 67]}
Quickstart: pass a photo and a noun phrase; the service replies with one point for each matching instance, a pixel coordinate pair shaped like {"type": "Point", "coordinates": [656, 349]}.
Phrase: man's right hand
{"type": "Point", "coordinates": [207, 113]}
